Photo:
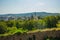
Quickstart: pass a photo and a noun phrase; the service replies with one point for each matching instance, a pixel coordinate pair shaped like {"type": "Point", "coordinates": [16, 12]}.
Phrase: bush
{"type": "Point", "coordinates": [3, 28]}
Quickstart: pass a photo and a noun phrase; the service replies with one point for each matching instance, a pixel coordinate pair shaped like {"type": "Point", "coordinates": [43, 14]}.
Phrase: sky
{"type": "Point", "coordinates": [25, 6]}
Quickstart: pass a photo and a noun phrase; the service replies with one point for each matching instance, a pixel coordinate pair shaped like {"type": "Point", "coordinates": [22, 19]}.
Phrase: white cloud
{"type": "Point", "coordinates": [40, 4]}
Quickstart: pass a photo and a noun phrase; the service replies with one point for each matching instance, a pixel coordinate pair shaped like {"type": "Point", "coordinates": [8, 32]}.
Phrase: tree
{"type": "Point", "coordinates": [10, 23]}
{"type": "Point", "coordinates": [34, 24]}
{"type": "Point", "coordinates": [42, 24]}
{"type": "Point", "coordinates": [50, 21]}
{"type": "Point", "coordinates": [3, 27]}
{"type": "Point", "coordinates": [58, 24]}
{"type": "Point", "coordinates": [28, 25]}
{"type": "Point", "coordinates": [19, 24]}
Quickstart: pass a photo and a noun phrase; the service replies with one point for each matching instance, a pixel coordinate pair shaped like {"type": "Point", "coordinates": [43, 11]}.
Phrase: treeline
{"type": "Point", "coordinates": [32, 24]}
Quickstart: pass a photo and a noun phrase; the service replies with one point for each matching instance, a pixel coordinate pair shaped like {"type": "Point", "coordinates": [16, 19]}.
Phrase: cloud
{"type": "Point", "coordinates": [40, 4]}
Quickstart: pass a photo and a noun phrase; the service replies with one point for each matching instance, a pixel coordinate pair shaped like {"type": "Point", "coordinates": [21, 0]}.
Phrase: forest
{"type": "Point", "coordinates": [13, 26]}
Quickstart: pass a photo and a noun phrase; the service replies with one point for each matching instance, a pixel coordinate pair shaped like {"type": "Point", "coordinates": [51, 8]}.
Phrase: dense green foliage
{"type": "Point", "coordinates": [3, 27]}
{"type": "Point", "coordinates": [51, 38]}
{"type": "Point", "coordinates": [46, 22]}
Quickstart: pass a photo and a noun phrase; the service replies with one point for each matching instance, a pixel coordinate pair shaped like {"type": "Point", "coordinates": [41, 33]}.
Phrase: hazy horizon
{"type": "Point", "coordinates": [26, 6]}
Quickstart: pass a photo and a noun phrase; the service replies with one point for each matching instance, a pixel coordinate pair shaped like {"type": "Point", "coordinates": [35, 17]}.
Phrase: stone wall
{"type": "Point", "coordinates": [33, 36]}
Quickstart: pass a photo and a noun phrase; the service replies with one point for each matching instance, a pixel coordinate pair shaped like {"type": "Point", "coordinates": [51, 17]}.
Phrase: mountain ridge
{"type": "Point", "coordinates": [32, 13]}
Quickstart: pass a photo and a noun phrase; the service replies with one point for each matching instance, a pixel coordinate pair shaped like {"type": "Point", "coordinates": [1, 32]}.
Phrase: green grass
{"type": "Point", "coordinates": [13, 31]}
{"type": "Point", "coordinates": [42, 30]}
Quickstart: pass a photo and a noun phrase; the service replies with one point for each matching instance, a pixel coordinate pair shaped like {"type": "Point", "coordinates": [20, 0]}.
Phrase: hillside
{"type": "Point", "coordinates": [45, 34]}
{"type": "Point", "coordinates": [32, 13]}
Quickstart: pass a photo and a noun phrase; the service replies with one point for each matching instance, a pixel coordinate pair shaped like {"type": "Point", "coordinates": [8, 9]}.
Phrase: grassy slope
{"type": "Point", "coordinates": [42, 30]}
{"type": "Point", "coordinates": [22, 31]}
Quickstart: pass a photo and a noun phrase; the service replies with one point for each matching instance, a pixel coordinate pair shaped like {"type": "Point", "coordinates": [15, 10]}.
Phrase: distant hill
{"type": "Point", "coordinates": [42, 14]}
